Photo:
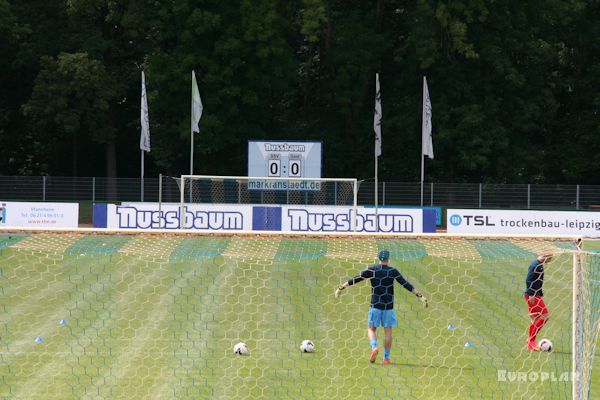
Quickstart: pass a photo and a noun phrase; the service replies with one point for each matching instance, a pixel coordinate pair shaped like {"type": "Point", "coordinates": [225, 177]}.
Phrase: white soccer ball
{"type": "Point", "coordinates": [241, 349]}
{"type": "Point", "coordinates": [545, 345]}
{"type": "Point", "coordinates": [307, 346]}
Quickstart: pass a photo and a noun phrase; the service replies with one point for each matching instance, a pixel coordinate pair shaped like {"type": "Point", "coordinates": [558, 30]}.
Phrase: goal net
{"type": "Point", "coordinates": [219, 190]}
{"type": "Point", "coordinates": [156, 316]}
{"type": "Point", "coordinates": [264, 190]}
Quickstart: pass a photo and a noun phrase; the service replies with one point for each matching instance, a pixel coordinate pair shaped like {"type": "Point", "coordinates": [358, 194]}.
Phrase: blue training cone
{"type": "Point", "coordinates": [451, 327]}
{"type": "Point", "coordinates": [468, 344]}
{"type": "Point", "coordinates": [63, 322]}
{"type": "Point", "coordinates": [39, 339]}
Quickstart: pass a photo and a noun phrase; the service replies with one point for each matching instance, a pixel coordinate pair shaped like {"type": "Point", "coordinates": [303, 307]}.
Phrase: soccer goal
{"type": "Point", "coordinates": [266, 190]}
{"type": "Point", "coordinates": [162, 316]}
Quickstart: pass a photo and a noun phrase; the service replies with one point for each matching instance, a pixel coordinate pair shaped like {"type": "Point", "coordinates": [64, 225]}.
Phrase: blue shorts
{"type": "Point", "coordinates": [385, 318]}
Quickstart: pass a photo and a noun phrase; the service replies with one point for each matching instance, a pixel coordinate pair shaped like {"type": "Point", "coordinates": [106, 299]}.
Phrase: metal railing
{"type": "Point", "coordinates": [458, 195]}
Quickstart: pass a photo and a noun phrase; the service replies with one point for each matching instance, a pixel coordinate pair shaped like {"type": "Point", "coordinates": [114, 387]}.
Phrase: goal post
{"type": "Point", "coordinates": [585, 320]}
{"type": "Point", "coordinates": [577, 334]}
{"type": "Point", "coordinates": [213, 189]}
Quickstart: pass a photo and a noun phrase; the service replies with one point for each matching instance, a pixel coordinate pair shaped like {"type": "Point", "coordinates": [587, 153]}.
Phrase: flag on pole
{"type": "Point", "coordinates": [427, 140]}
{"type": "Point", "coordinates": [144, 120]}
{"type": "Point", "coordinates": [377, 117]}
{"type": "Point", "coordinates": [196, 105]}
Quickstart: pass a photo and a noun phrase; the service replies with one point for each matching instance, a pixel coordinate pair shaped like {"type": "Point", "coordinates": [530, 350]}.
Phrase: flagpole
{"type": "Point", "coordinates": [423, 145]}
{"type": "Point", "coordinates": [191, 152]}
{"type": "Point", "coordinates": [196, 114]}
{"type": "Point", "coordinates": [142, 177]}
{"type": "Point", "coordinates": [195, 118]}
{"type": "Point", "coordinates": [422, 173]}
{"type": "Point", "coordinates": [377, 129]}
{"type": "Point", "coordinates": [191, 149]}
{"type": "Point", "coordinates": [192, 132]}
{"type": "Point", "coordinates": [145, 132]}
{"type": "Point", "coordinates": [426, 143]}
{"type": "Point", "coordinates": [376, 195]}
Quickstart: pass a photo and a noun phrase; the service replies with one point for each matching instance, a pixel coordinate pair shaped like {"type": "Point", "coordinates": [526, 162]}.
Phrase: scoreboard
{"type": "Point", "coordinates": [284, 159]}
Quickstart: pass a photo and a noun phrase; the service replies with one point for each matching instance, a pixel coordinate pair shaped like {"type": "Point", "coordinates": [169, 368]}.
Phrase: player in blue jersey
{"type": "Point", "coordinates": [381, 313]}
{"type": "Point", "coordinates": [534, 296]}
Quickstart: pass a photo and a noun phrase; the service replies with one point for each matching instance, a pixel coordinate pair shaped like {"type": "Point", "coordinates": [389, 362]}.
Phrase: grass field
{"type": "Point", "coordinates": [149, 317]}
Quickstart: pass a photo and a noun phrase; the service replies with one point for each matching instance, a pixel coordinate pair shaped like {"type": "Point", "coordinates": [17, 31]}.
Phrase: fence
{"type": "Point", "coordinates": [456, 195]}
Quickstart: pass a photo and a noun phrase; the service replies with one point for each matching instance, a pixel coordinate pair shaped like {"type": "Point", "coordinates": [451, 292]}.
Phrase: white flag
{"type": "Point", "coordinates": [427, 141]}
{"type": "Point", "coordinates": [196, 105]}
{"type": "Point", "coordinates": [377, 117]}
{"type": "Point", "coordinates": [144, 120]}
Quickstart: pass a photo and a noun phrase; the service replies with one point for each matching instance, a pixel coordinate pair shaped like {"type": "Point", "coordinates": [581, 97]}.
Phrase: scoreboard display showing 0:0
{"type": "Point", "coordinates": [292, 170]}
{"type": "Point", "coordinates": [284, 159]}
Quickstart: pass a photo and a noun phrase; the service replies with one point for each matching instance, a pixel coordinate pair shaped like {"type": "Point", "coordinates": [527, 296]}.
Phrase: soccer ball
{"type": "Point", "coordinates": [307, 346]}
{"type": "Point", "coordinates": [241, 349]}
{"type": "Point", "coordinates": [545, 345]}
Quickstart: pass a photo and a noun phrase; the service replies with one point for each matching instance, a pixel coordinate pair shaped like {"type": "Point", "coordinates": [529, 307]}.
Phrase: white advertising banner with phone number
{"type": "Point", "coordinates": [39, 215]}
{"type": "Point", "coordinates": [582, 223]}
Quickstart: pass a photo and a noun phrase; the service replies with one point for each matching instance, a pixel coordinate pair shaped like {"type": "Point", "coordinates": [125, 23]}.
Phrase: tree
{"type": "Point", "coordinates": [509, 81]}
{"type": "Point", "coordinates": [69, 108]}
{"type": "Point", "coordinates": [245, 69]}
{"type": "Point", "coordinates": [15, 144]}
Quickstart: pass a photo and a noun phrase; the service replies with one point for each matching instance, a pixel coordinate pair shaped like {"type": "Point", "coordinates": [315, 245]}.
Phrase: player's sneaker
{"type": "Point", "coordinates": [373, 355]}
{"type": "Point", "coordinates": [387, 361]}
{"type": "Point", "coordinates": [532, 346]}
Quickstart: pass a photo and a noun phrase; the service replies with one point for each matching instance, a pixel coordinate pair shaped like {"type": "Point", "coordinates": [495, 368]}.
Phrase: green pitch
{"type": "Point", "coordinates": [146, 317]}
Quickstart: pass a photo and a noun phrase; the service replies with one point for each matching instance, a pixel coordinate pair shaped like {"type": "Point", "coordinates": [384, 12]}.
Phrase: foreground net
{"type": "Point", "coordinates": [149, 317]}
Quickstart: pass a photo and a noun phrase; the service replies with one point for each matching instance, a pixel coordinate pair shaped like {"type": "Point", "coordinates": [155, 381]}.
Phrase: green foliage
{"type": "Point", "coordinates": [72, 92]}
{"type": "Point", "coordinates": [514, 86]}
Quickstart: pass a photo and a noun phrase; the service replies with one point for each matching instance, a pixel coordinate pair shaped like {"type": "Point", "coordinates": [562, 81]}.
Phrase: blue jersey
{"type": "Point", "coordinates": [382, 279]}
{"type": "Point", "coordinates": [535, 279]}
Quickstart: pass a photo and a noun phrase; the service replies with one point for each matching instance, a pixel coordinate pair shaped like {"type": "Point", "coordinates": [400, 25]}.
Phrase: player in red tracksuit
{"type": "Point", "coordinates": [534, 296]}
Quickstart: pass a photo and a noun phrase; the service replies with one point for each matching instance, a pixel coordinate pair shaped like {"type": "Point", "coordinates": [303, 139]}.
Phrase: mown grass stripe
{"type": "Point", "coordinates": [74, 276]}
{"type": "Point", "coordinates": [350, 249]}
{"type": "Point", "coordinates": [151, 246]}
{"type": "Point", "coordinates": [194, 248]}
{"type": "Point", "coordinates": [536, 246]}
{"type": "Point", "coordinates": [300, 250]}
{"type": "Point", "coordinates": [99, 344]}
{"type": "Point", "coordinates": [403, 249]}
{"type": "Point", "coordinates": [196, 310]}
{"type": "Point", "coordinates": [47, 242]}
{"type": "Point", "coordinates": [7, 240]}
{"type": "Point", "coordinates": [459, 249]}
{"type": "Point", "coordinates": [251, 248]}
{"type": "Point", "coordinates": [101, 244]}
{"type": "Point", "coordinates": [500, 249]}
{"type": "Point", "coordinates": [146, 347]}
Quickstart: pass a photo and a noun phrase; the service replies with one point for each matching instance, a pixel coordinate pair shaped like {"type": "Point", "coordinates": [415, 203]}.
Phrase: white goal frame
{"type": "Point", "coordinates": [185, 178]}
